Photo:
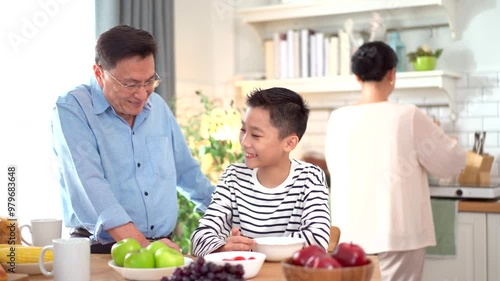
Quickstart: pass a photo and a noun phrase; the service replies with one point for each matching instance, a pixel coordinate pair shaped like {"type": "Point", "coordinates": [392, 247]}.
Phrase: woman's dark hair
{"type": "Point", "coordinates": [287, 109]}
{"type": "Point", "coordinates": [122, 42]}
{"type": "Point", "coordinates": [372, 61]}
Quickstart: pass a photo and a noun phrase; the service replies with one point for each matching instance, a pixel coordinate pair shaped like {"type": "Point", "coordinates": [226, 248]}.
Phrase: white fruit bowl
{"type": "Point", "coordinates": [250, 266]}
{"type": "Point", "coordinates": [146, 274]}
{"type": "Point", "coordinates": [278, 248]}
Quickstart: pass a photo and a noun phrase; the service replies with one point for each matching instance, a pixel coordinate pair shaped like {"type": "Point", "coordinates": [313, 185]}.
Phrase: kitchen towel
{"type": "Point", "coordinates": [444, 213]}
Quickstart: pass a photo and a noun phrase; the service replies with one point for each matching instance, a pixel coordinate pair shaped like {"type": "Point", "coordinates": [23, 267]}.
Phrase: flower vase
{"type": "Point", "coordinates": [424, 63]}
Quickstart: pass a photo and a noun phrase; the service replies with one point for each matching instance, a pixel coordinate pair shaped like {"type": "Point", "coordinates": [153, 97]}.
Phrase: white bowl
{"type": "Point", "coordinates": [146, 274]}
{"type": "Point", "coordinates": [250, 266]}
{"type": "Point", "coordinates": [278, 248]}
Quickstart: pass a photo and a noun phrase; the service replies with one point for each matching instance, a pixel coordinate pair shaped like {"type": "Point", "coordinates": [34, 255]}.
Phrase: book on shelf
{"type": "Point", "coordinates": [320, 54]}
{"type": "Point", "coordinates": [305, 53]}
{"type": "Point", "coordinates": [345, 53]}
{"type": "Point", "coordinates": [314, 57]}
{"type": "Point", "coordinates": [333, 69]}
{"type": "Point", "coordinates": [293, 54]}
{"type": "Point", "coordinates": [269, 59]}
{"type": "Point", "coordinates": [283, 52]}
{"type": "Point", "coordinates": [277, 57]}
{"type": "Point", "coordinates": [326, 51]}
{"type": "Point", "coordinates": [296, 54]}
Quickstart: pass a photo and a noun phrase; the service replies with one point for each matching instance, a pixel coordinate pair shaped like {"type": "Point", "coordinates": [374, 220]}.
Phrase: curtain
{"type": "Point", "coordinates": [154, 16]}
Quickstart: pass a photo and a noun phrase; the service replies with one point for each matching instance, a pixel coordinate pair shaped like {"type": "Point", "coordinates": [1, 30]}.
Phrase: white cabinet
{"type": "Point", "coordinates": [469, 264]}
{"type": "Point", "coordinates": [397, 14]}
{"type": "Point", "coordinates": [493, 229]}
{"type": "Point", "coordinates": [478, 251]}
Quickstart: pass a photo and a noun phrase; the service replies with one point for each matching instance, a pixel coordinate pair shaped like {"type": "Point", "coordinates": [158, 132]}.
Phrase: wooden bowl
{"type": "Point", "coordinates": [299, 273]}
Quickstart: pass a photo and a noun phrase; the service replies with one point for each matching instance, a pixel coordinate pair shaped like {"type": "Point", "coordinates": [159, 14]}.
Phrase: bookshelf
{"type": "Point", "coordinates": [434, 87]}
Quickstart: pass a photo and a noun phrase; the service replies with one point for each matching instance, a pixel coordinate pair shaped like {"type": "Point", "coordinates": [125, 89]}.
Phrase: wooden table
{"type": "Point", "coordinates": [100, 271]}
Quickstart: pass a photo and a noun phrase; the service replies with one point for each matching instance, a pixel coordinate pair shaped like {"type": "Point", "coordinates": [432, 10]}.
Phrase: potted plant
{"type": "Point", "coordinates": [424, 58]}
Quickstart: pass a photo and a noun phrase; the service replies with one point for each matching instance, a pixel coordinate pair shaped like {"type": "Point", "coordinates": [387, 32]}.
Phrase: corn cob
{"type": "Point", "coordinates": [23, 254]}
{"type": "Point", "coordinates": [3, 274]}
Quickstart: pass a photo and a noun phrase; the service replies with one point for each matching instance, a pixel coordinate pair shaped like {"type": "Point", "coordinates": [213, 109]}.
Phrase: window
{"type": "Point", "coordinates": [47, 48]}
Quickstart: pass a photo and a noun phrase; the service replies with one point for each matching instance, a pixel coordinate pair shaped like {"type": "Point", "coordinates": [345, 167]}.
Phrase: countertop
{"type": "Point", "coordinates": [479, 206]}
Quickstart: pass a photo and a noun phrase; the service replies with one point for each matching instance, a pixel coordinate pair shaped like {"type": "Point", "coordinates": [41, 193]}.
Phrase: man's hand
{"type": "Point", "coordinates": [237, 242]}
{"type": "Point", "coordinates": [171, 244]}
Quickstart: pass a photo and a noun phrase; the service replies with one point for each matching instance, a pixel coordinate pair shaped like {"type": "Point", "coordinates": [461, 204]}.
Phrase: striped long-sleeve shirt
{"type": "Point", "coordinates": [298, 208]}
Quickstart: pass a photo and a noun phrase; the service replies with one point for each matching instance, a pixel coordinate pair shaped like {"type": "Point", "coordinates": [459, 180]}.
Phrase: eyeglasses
{"type": "Point", "coordinates": [150, 85]}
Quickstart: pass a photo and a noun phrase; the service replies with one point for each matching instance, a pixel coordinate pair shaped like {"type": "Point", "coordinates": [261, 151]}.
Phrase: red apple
{"type": "Point", "coordinates": [300, 257]}
{"type": "Point", "coordinates": [350, 254]}
{"type": "Point", "coordinates": [325, 261]}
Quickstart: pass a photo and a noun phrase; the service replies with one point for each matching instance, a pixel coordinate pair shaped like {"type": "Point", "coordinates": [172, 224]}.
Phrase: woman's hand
{"type": "Point", "coordinates": [237, 242]}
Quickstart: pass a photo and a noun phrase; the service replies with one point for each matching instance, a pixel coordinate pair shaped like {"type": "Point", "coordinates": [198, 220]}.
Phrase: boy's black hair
{"type": "Point", "coordinates": [287, 109]}
{"type": "Point", "coordinates": [121, 42]}
{"type": "Point", "coordinates": [372, 61]}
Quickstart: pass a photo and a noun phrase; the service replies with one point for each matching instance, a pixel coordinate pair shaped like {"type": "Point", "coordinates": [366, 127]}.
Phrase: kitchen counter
{"type": "Point", "coordinates": [479, 206]}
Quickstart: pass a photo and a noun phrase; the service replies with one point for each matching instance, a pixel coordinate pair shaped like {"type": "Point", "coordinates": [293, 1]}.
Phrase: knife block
{"type": "Point", "coordinates": [477, 170]}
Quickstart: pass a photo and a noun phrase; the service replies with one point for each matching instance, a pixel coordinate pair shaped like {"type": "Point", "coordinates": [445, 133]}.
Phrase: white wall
{"type": "Point", "coordinates": [46, 48]}
{"type": "Point", "coordinates": [476, 48]}
{"type": "Point", "coordinates": [204, 52]}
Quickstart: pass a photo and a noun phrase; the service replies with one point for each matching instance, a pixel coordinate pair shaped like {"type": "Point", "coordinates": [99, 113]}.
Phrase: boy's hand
{"type": "Point", "coordinates": [237, 242]}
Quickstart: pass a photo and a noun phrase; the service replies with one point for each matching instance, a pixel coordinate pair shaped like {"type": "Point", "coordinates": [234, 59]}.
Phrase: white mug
{"type": "Point", "coordinates": [71, 259]}
{"type": "Point", "coordinates": [43, 231]}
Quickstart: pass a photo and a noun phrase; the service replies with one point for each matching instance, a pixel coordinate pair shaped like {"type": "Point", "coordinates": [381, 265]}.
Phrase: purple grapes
{"type": "Point", "coordinates": [207, 271]}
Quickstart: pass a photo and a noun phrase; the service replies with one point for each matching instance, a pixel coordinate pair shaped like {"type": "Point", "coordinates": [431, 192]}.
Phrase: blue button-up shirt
{"type": "Point", "coordinates": [111, 174]}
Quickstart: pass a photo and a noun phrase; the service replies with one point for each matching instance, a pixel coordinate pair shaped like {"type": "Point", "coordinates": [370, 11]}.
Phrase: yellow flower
{"type": "Point", "coordinates": [206, 163]}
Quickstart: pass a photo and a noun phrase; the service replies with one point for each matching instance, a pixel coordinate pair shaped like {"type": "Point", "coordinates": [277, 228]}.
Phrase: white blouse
{"type": "Point", "coordinates": [377, 155]}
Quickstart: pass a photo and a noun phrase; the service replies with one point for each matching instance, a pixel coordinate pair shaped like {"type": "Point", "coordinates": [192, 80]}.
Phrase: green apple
{"type": "Point", "coordinates": [155, 246]}
{"type": "Point", "coordinates": [139, 259]}
{"type": "Point", "coordinates": [168, 257]}
{"type": "Point", "coordinates": [122, 248]}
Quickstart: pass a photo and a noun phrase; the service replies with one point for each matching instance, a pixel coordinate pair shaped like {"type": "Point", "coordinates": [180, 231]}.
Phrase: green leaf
{"type": "Point", "coordinates": [438, 53]}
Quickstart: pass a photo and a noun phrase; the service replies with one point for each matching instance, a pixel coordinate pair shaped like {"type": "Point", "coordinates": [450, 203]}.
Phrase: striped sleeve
{"type": "Point", "coordinates": [215, 225]}
{"type": "Point", "coordinates": [315, 217]}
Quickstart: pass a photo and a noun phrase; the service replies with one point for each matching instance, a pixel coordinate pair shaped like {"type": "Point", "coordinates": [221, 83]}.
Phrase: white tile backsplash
{"type": "Point", "coordinates": [483, 80]}
{"type": "Point", "coordinates": [433, 112]}
{"type": "Point", "coordinates": [482, 109]}
{"type": "Point", "coordinates": [469, 124]}
{"type": "Point", "coordinates": [464, 139]}
{"type": "Point", "coordinates": [319, 115]}
{"type": "Point", "coordinates": [469, 95]}
{"type": "Point", "coordinates": [491, 94]}
{"type": "Point", "coordinates": [318, 127]}
{"type": "Point", "coordinates": [491, 124]}
{"type": "Point", "coordinates": [491, 139]}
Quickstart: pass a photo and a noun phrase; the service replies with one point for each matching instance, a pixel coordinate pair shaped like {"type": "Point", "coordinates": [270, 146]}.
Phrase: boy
{"type": "Point", "coordinates": [269, 195]}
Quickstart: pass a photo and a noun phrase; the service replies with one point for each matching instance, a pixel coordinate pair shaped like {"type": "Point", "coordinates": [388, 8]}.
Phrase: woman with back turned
{"type": "Point", "coordinates": [378, 154]}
